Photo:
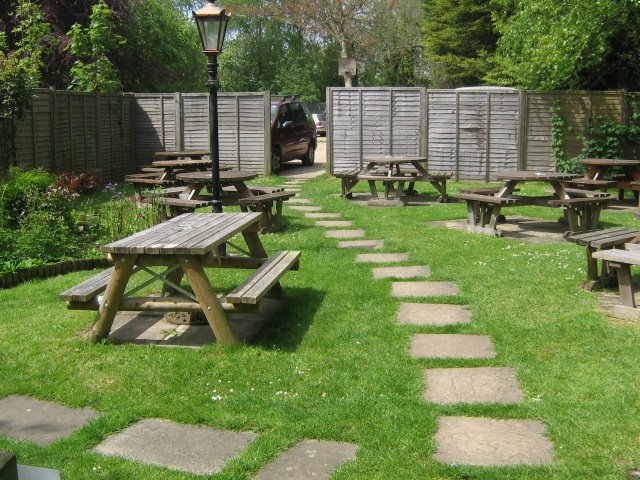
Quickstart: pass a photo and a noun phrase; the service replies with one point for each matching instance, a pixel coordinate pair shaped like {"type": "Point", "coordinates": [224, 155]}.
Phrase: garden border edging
{"type": "Point", "coordinates": [14, 279]}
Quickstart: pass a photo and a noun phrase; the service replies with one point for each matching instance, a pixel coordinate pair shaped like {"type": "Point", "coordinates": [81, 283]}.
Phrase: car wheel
{"type": "Point", "coordinates": [310, 157]}
{"type": "Point", "coordinates": [276, 161]}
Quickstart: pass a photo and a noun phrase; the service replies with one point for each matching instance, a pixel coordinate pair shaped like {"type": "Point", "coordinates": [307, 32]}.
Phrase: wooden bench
{"type": "Point", "coordinates": [348, 180]}
{"type": "Point", "coordinates": [264, 279]}
{"type": "Point", "coordinates": [270, 205]}
{"type": "Point", "coordinates": [588, 183]}
{"type": "Point", "coordinates": [582, 213]}
{"type": "Point", "coordinates": [176, 206]}
{"type": "Point", "coordinates": [621, 261]}
{"type": "Point", "coordinates": [483, 209]}
{"type": "Point", "coordinates": [597, 241]}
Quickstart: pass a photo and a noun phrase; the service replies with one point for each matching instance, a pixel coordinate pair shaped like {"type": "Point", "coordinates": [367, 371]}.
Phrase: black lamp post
{"type": "Point", "coordinates": [212, 26]}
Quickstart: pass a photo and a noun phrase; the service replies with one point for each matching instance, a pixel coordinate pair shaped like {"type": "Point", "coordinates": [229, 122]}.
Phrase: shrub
{"type": "Point", "coordinates": [15, 193]}
{"type": "Point", "coordinates": [77, 182]}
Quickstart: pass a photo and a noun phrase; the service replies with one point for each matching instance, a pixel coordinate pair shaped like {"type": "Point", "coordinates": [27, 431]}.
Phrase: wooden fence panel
{"type": "Point", "coordinates": [373, 121]}
{"type": "Point", "coordinates": [442, 131]}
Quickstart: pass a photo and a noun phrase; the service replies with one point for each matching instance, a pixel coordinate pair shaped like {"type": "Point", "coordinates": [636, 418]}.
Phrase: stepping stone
{"type": "Point", "coordinates": [344, 233]}
{"type": "Point", "coordinates": [299, 200]}
{"type": "Point", "coordinates": [432, 314]}
{"type": "Point", "coordinates": [361, 244]}
{"type": "Point", "coordinates": [443, 345]}
{"type": "Point", "coordinates": [334, 223]}
{"type": "Point", "coordinates": [40, 422]}
{"type": "Point", "coordinates": [423, 289]}
{"type": "Point", "coordinates": [308, 459]}
{"type": "Point", "coordinates": [291, 190]}
{"type": "Point", "coordinates": [196, 449]}
{"type": "Point", "coordinates": [304, 208]}
{"type": "Point", "coordinates": [382, 257]}
{"type": "Point", "coordinates": [492, 442]}
{"type": "Point", "coordinates": [322, 215]}
{"type": "Point", "coordinates": [472, 385]}
{"type": "Point", "coordinates": [401, 272]}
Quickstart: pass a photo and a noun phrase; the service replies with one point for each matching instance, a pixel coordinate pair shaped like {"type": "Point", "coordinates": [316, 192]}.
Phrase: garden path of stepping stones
{"type": "Point", "coordinates": [459, 440]}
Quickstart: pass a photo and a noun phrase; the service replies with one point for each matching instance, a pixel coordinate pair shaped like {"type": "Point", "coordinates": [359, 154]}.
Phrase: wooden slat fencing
{"type": "Point", "coordinates": [88, 132]}
{"type": "Point", "coordinates": [374, 121]}
{"type": "Point", "coordinates": [471, 132]}
{"type": "Point", "coordinates": [181, 122]}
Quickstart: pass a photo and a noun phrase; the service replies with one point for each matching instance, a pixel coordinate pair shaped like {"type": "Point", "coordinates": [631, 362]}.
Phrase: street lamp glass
{"type": "Point", "coordinates": [212, 26]}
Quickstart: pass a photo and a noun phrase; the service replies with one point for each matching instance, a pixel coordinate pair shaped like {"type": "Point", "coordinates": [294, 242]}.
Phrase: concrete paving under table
{"type": "Point", "coordinates": [445, 345]}
{"type": "Point", "coordinates": [345, 233]}
{"type": "Point", "coordinates": [423, 289]}
{"type": "Point", "coordinates": [315, 459]}
{"type": "Point", "coordinates": [361, 244]}
{"type": "Point", "coordinates": [196, 449]}
{"type": "Point", "coordinates": [433, 314]}
{"type": "Point", "coordinates": [472, 385]}
{"type": "Point", "coordinates": [488, 441]}
{"type": "Point", "coordinates": [411, 271]}
{"type": "Point", "coordinates": [40, 422]}
{"type": "Point", "coordinates": [382, 257]}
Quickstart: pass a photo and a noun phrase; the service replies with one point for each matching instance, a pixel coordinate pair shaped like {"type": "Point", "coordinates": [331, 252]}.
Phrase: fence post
{"type": "Point", "coordinates": [487, 139]}
{"type": "Point", "coordinates": [424, 126]}
{"type": "Point", "coordinates": [457, 136]}
{"type": "Point", "coordinates": [52, 124]}
{"type": "Point", "coordinates": [523, 137]}
{"type": "Point", "coordinates": [179, 121]}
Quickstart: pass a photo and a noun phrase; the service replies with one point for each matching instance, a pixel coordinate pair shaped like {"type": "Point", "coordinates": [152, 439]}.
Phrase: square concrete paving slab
{"type": "Point", "coordinates": [382, 257]}
{"type": "Point", "coordinates": [345, 233]}
{"type": "Point", "coordinates": [472, 385]}
{"type": "Point", "coordinates": [308, 459]}
{"type": "Point", "coordinates": [196, 449]}
{"type": "Point", "coordinates": [291, 189]}
{"type": "Point", "coordinates": [401, 272]}
{"type": "Point", "coordinates": [305, 208]}
{"type": "Point", "coordinates": [444, 345]}
{"type": "Point", "coordinates": [40, 422]}
{"type": "Point", "coordinates": [492, 442]}
{"type": "Point", "coordinates": [433, 314]}
{"type": "Point", "coordinates": [334, 223]}
{"type": "Point", "coordinates": [423, 289]}
{"type": "Point", "coordinates": [322, 215]}
{"type": "Point", "coordinates": [361, 244]}
{"type": "Point", "coordinates": [299, 200]}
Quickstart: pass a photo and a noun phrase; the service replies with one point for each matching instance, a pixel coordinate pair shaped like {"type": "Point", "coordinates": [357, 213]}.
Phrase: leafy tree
{"type": "Point", "coordinates": [389, 47]}
{"type": "Point", "coordinates": [93, 71]}
{"type": "Point", "coordinates": [163, 51]}
{"type": "Point", "coordinates": [591, 44]}
{"type": "Point", "coordinates": [458, 36]}
{"type": "Point", "coordinates": [20, 72]}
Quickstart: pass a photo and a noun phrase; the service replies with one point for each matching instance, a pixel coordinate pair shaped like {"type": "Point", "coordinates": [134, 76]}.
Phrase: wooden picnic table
{"type": "Point", "coordinates": [394, 171]}
{"type": "Point", "coordinates": [183, 246]}
{"type": "Point", "coordinates": [581, 207]}
{"type": "Point", "coordinates": [261, 199]}
{"type": "Point", "coordinates": [599, 167]}
{"type": "Point", "coordinates": [182, 154]}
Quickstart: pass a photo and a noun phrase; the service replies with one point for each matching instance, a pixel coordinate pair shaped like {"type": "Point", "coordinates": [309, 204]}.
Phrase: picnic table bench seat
{"type": "Point", "coordinates": [611, 238]}
{"type": "Point", "coordinates": [348, 181]}
{"type": "Point", "coordinates": [264, 278]}
{"type": "Point", "coordinates": [173, 206]}
{"type": "Point", "coordinates": [270, 205]}
{"type": "Point", "coordinates": [590, 183]}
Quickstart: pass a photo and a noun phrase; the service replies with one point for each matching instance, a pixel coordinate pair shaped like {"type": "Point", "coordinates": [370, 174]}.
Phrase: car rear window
{"type": "Point", "coordinates": [320, 116]}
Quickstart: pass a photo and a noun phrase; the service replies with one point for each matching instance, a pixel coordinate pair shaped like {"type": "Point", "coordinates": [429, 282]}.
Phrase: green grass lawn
{"type": "Point", "coordinates": [336, 350]}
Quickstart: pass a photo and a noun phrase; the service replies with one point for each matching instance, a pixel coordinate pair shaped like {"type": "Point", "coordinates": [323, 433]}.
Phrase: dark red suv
{"type": "Point", "coordinates": [293, 133]}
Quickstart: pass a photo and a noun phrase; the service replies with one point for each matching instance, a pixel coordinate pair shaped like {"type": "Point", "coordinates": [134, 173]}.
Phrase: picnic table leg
{"type": "Point", "coordinates": [211, 306]}
{"type": "Point", "coordinates": [112, 296]}
{"type": "Point", "coordinates": [441, 187]}
{"type": "Point", "coordinates": [257, 250]}
{"type": "Point", "coordinates": [627, 298]}
{"type": "Point", "coordinates": [374, 190]}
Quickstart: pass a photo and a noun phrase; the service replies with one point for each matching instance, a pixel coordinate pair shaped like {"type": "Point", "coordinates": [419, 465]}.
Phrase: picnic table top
{"type": "Point", "coordinates": [225, 176]}
{"type": "Point", "coordinates": [182, 162]}
{"type": "Point", "coordinates": [609, 162]}
{"type": "Point", "coordinates": [392, 159]}
{"type": "Point", "coordinates": [182, 153]}
{"type": "Point", "coordinates": [186, 234]}
{"type": "Point", "coordinates": [527, 176]}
